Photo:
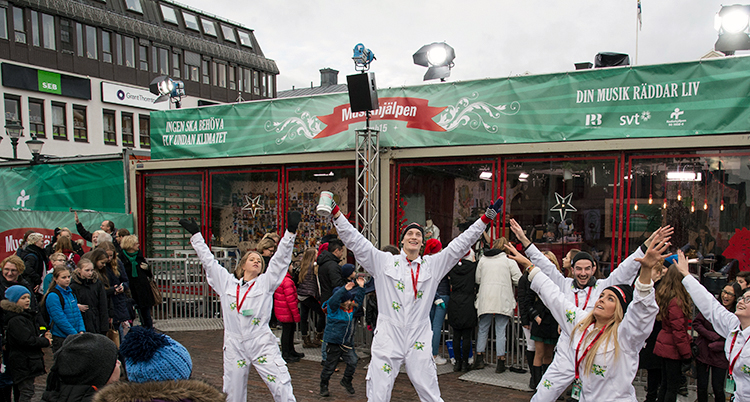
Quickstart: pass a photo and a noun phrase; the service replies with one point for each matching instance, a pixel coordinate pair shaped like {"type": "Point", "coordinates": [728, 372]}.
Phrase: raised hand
{"type": "Point", "coordinates": [518, 231]}
{"type": "Point", "coordinates": [190, 226]}
{"type": "Point", "coordinates": [293, 218]}
{"type": "Point", "coordinates": [657, 251]}
{"type": "Point", "coordinates": [514, 255]}
{"type": "Point", "coordinates": [664, 231]}
{"type": "Point", "coordinates": [361, 282]}
{"type": "Point", "coordinates": [349, 285]}
{"type": "Point", "coordinates": [491, 213]}
{"type": "Point", "coordinates": [682, 263]}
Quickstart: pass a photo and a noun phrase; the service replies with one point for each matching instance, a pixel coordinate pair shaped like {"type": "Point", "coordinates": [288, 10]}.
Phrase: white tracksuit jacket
{"type": "Point", "coordinates": [247, 339]}
{"type": "Point", "coordinates": [404, 334]}
{"type": "Point", "coordinates": [610, 379]}
{"type": "Point", "coordinates": [557, 378]}
{"type": "Point", "coordinates": [727, 325]}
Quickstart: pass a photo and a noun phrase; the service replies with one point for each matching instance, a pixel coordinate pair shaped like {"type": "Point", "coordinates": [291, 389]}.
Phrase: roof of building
{"type": "Point", "coordinates": [328, 89]}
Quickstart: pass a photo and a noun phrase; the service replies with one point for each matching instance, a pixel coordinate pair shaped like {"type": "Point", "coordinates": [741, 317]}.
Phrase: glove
{"type": "Point", "coordinates": [492, 211]}
{"type": "Point", "coordinates": [293, 218]}
{"type": "Point", "coordinates": [190, 226]}
{"type": "Point", "coordinates": [369, 328]}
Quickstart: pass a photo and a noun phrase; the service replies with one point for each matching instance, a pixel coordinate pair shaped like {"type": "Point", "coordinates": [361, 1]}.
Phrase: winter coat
{"type": "Point", "coordinates": [65, 321]}
{"type": "Point", "coordinates": [285, 301]}
{"type": "Point", "coordinates": [340, 324]}
{"type": "Point", "coordinates": [673, 341]}
{"type": "Point", "coordinates": [329, 274]}
{"type": "Point", "coordinates": [461, 311]}
{"type": "Point", "coordinates": [182, 390]}
{"type": "Point", "coordinates": [90, 292]}
{"type": "Point", "coordinates": [371, 310]}
{"type": "Point", "coordinates": [50, 249]}
{"type": "Point", "coordinates": [24, 342]}
{"type": "Point", "coordinates": [647, 359]}
{"type": "Point", "coordinates": [309, 285]}
{"type": "Point", "coordinates": [525, 299]}
{"type": "Point", "coordinates": [36, 262]}
{"type": "Point", "coordinates": [69, 393]}
{"type": "Point", "coordinates": [496, 275]}
{"type": "Point", "coordinates": [119, 302]}
{"type": "Point", "coordinates": [33, 307]}
{"type": "Point", "coordinates": [140, 288]}
{"type": "Point", "coordinates": [710, 344]}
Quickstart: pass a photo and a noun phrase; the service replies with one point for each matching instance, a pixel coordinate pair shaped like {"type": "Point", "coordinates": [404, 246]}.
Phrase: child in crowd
{"type": "Point", "coordinates": [92, 298]}
{"type": "Point", "coordinates": [286, 311]}
{"type": "Point", "coordinates": [24, 341]}
{"type": "Point", "coordinates": [743, 278]}
{"type": "Point", "coordinates": [339, 333]}
{"type": "Point", "coordinates": [62, 307]}
{"type": "Point", "coordinates": [55, 260]}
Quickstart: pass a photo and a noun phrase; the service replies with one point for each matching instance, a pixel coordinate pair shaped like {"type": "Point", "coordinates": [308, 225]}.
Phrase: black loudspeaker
{"type": "Point", "coordinates": [363, 93]}
{"type": "Point", "coordinates": [611, 60]}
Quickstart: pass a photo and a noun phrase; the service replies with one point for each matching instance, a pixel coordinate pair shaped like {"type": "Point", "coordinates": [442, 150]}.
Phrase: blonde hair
{"type": "Point", "coordinates": [265, 244]}
{"type": "Point", "coordinates": [609, 333]}
{"type": "Point", "coordinates": [308, 260]}
{"type": "Point", "coordinates": [109, 246]}
{"type": "Point", "coordinates": [552, 257]}
{"type": "Point", "coordinates": [128, 242]}
{"type": "Point", "coordinates": [34, 238]}
{"type": "Point", "coordinates": [500, 243]}
{"type": "Point", "coordinates": [239, 270]}
{"type": "Point", "coordinates": [15, 260]}
{"type": "Point", "coordinates": [58, 255]}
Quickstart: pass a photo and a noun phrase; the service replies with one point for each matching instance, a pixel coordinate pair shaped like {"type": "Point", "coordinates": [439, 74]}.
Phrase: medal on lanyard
{"type": "Point", "coordinates": [246, 312]}
{"type": "Point", "coordinates": [414, 280]}
{"type": "Point", "coordinates": [575, 393]}
{"type": "Point", "coordinates": [729, 385]}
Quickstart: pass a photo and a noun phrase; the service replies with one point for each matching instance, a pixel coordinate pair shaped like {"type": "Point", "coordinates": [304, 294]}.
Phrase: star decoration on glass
{"type": "Point", "coordinates": [563, 205]}
{"type": "Point", "coordinates": [253, 205]}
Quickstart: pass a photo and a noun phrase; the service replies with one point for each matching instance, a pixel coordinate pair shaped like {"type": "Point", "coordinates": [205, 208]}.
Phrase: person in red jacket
{"type": "Point", "coordinates": [287, 313]}
{"type": "Point", "coordinates": [673, 341]}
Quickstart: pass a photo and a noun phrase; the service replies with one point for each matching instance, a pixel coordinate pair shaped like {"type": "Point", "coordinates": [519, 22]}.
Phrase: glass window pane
{"type": "Point", "coordinates": [36, 118]}
{"type": "Point", "coordinates": [106, 47]}
{"type": "Point", "coordinates": [118, 49]}
{"type": "Point", "coordinates": [163, 61]}
{"type": "Point", "coordinates": [110, 135]}
{"type": "Point", "coordinates": [59, 129]}
{"type": "Point", "coordinates": [127, 129]}
{"type": "Point", "coordinates": [168, 14]}
{"type": "Point", "coordinates": [66, 35]}
{"type": "Point", "coordinates": [129, 51]}
{"type": "Point", "coordinates": [228, 33]}
{"type": "Point", "coordinates": [19, 25]}
{"type": "Point", "coordinates": [35, 28]}
{"type": "Point", "coordinates": [144, 131]}
{"type": "Point", "coordinates": [80, 125]}
{"type": "Point", "coordinates": [143, 51]}
{"type": "Point", "coordinates": [79, 39]}
{"type": "Point", "coordinates": [222, 72]}
{"type": "Point", "coordinates": [190, 21]}
{"type": "Point", "coordinates": [155, 244]}
{"type": "Point", "coordinates": [48, 24]}
{"type": "Point", "coordinates": [209, 28]}
{"type": "Point", "coordinates": [91, 48]}
{"type": "Point", "coordinates": [204, 67]}
{"type": "Point", "coordinates": [175, 65]}
{"type": "Point", "coordinates": [12, 110]}
{"type": "Point", "coordinates": [134, 5]}
{"type": "Point", "coordinates": [245, 39]}
{"type": "Point", "coordinates": [3, 23]}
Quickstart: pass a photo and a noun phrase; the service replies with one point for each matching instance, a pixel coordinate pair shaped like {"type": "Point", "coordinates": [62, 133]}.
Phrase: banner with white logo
{"type": "Point", "coordinates": [130, 96]}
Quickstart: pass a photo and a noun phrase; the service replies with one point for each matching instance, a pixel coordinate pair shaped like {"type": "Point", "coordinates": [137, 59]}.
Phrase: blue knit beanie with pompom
{"type": "Point", "coordinates": [151, 356]}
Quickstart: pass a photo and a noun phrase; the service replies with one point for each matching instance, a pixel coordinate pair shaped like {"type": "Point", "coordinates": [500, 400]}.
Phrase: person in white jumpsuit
{"type": "Point", "coordinates": [406, 284]}
{"type": "Point", "coordinates": [246, 303]}
{"type": "Point", "coordinates": [583, 291]}
{"type": "Point", "coordinates": [734, 327]}
{"type": "Point", "coordinates": [610, 377]}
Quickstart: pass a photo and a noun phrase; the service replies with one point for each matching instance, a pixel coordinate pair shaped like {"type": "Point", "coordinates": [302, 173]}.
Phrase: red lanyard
{"type": "Point", "coordinates": [414, 280]}
{"type": "Point", "coordinates": [587, 299]}
{"type": "Point", "coordinates": [578, 361]}
{"type": "Point", "coordinates": [239, 303]}
{"type": "Point", "coordinates": [731, 364]}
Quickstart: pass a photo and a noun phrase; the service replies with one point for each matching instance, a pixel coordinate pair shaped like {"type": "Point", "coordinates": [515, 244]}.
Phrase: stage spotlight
{"type": "Point", "coordinates": [732, 24]}
{"type": "Point", "coordinates": [438, 58]}
{"type": "Point", "coordinates": [362, 57]}
{"type": "Point", "coordinates": [167, 88]}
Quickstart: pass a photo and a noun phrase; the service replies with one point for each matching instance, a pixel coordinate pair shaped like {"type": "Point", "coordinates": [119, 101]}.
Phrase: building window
{"type": "Point", "coordinates": [214, 71]}
{"type": "Point", "coordinates": [80, 126]}
{"type": "Point", "coordinates": [222, 68]}
{"type": "Point", "coordinates": [129, 45]}
{"type": "Point", "coordinates": [175, 65]}
{"type": "Point", "coordinates": [163, 61]}
{"type": "Point", "coordinates": [35, 28]}
{"type": "Point", "coordinates": [134, 5]}
{"type": "Point", "coordinates": [110, 135]}
{"type": "Point", "coordinates": [106, 47]}
{"type": "Point", "coordinates": [91, 48]}
{"type": "Point", "coordinates": [192, 64]}
{"type": "Point", "coordinates": [247, 79]}
{"type": "Point", "coordinates": [168, 14]}
{"type": "Point", "coordinates": [228, 33]}
{"type": "Point", "coordinates": [79, 38]}
{"type": "Point", "coordinates": [36, 118]}
{"type": "Point", "coordinates": [3, 23]}
{"type": "Point", "coordinates": [209, 28]}
{"type": "Point", "coordinates": [127, 129]}
{"type": "Point", "coordinates": [143, 52]}
{"type": "Point", "coordinates": [66, 36]}
{"type": "Point", "coordinates": [59, 120]}
{"type": "Point", "coordinates": [190, 21]}
{"type": "Point", "coordinates": [256, 82]}
{"type": "Point", "coordinates": [13, 109]}
{"type": "Point", "coordinates": [232, 84]}
{"type": "Point", "coordinates": [48, 31]}
{"type": "Point", "coordinates": [204, 67]}
{"type": "Point", "coordinates": [144, 129]}
{"type": "Point", "coordinates": [245, 39]}
{"type": "Point", "coordinates": [19, 25]}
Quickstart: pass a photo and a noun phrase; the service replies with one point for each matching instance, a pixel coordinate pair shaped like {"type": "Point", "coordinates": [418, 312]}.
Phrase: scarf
{"type": "Point", "coordinates": [134, 267]}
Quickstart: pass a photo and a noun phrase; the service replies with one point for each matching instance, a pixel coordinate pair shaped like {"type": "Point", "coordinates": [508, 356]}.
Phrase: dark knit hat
{"type": "Point", "coordinates": [624, 294]}
{"type": "Point", "coordinates": [347, 270]}
{"type": "Point", "coordinates": [582, 255]}
{"type": "Point", "coordinates": [15, 292]}
{"type": "Point", "coordinates": [151, 356]}
{"type": "Point", "coordinates": [413, 225]}
{"type": "Point", "coordinates": [432, 246]}
{"type": "Point", "coordinates": [86, 359]}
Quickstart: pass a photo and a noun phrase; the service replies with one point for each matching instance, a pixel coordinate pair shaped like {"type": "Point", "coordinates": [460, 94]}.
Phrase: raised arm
{"type": "Point", "coordinates": [536, 256]}
{"type": "Point", "coordinates": [366, 254]}
{"type": "Point", "coordinates": [279, 264]}
{"type": "Point", "coordinates": [565, 312]}
{"type": "Point", "coordinates": [628, 270]}
{"type": "Point", "coordinates": [215, 273]}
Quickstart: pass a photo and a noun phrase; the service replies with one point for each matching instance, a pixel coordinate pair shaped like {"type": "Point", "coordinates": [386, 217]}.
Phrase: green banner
{"type": "Point", "coordinates": [58, 187]}
{"type": "Point", "coordinates": [49, 82]}
{"type": "Point", "coordinates": [667, 100]}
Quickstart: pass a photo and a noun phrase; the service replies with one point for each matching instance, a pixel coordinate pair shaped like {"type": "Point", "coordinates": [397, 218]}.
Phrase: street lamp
{"type": "Point", "coordinates": [732, 23]}
{"type": "Point", "coordinates": [438, 58]}
{"type": "Point", "coordinates": [35, 147]}
{"type": "Point", "coordinates": [167, 88]}
{"type": "Point", "coordinates": [14, 129]}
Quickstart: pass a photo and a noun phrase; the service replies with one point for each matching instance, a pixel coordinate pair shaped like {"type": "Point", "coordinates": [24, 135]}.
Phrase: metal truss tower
{"type": "Point", "coordinates": [368, 183]}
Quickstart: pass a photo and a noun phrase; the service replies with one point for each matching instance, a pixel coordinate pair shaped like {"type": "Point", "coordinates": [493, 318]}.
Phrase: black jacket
{"type": "Point", "coordinates": [69, 393]}
{"type": "Point", "coordinates": [329, 274]}
{"type": "Point", "coordinates": [118, 302]}
{"type": "Point", "coordinates": [461, 311]}
{"type": "Point", "coordinates": [525, 299]}
{"type": "Point", "coordinates": [140, 288]}
{"type": "Point", "coordinates": [24, 342]}
{"type": "Point", "coordinates": [34, 307]}
{"type": "Point", "coordinates": [91, 292]}
{"type": "Point", "coordinates": [36, 263]}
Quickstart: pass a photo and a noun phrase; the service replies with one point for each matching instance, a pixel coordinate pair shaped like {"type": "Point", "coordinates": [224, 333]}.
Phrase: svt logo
{"type": "Point", "coordinates": [594, 119]}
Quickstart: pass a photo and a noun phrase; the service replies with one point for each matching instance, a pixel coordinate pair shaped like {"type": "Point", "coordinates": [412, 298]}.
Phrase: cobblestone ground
{"type": "Point", "coordinates": [205, 349]}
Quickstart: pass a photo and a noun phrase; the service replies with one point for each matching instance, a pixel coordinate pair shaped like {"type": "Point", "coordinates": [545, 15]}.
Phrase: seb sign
{"type": "Point", "coordinates": [49, 82]}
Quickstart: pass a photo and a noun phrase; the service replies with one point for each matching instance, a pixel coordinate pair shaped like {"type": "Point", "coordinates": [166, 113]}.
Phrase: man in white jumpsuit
{"type": "Point", "coordinates": [405, 284]}
{"type": "Point", "coordinates": [246, 304]}
{"type": "Point", "coordinates": [583, 290]}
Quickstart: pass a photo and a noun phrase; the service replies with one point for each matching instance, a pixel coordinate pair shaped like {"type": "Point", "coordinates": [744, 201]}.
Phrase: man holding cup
{"type": "Point", "coordinates": [405, 284]}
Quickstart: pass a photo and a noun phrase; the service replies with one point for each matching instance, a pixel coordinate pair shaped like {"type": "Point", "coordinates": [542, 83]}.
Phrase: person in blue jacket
{"type": "Point", "coordinates": [339, 333]}
{"type": "Point", "coordinates": [65, 317]}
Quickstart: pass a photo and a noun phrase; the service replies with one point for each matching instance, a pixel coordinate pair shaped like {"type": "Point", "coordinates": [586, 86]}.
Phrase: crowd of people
{"type": "Point", "coordinates": [586, 336]}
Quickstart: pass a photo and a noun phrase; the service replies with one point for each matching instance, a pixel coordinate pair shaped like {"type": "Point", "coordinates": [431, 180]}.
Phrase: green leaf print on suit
{"type": "Point", "coordinates": [400, 286]}
{"type": "Point", "coordinates": [419, 345]}
{"type": "Point", "coordinates": [262, 359]}
{"type": "Point", "coordinates": [241, 363]}
{"type": "Point", "coordinates": [570, 315]}
{"type": "Point", "coordinates": [598, 370]}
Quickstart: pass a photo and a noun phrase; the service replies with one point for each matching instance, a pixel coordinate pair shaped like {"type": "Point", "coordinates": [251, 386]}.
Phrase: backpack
{"type": "Point", "coordinates": [43, 306]}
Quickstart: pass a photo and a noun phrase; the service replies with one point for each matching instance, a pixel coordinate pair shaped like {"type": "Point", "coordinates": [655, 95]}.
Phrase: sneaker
{"type": "Point", "coordinates": [439, 360]}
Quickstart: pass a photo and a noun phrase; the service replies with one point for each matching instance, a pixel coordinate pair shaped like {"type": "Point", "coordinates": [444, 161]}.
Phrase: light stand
{"type": "Point", "coordinates": [14, 130]}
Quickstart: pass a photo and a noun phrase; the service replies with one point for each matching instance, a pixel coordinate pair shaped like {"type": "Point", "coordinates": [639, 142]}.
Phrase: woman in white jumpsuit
{"type": "Point", "coordinates": [607, 372]}
{"type": "Point", "coordinates": [734, 327]}
{"type": "Point", "coordinates": [246, 303]}
{"type": "Point", "coordinates": [405, 284]}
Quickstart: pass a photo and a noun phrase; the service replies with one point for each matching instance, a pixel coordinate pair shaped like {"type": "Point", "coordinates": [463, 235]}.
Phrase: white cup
{"type": "Point", "coordinates": [325, 203]}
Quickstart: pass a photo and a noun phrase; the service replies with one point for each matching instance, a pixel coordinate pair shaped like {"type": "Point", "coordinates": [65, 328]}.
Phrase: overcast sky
{"type": "Point", "coordinates": [492, 38]}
